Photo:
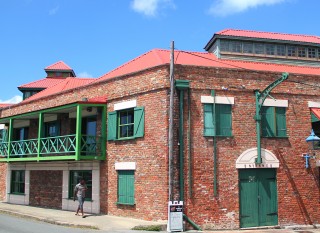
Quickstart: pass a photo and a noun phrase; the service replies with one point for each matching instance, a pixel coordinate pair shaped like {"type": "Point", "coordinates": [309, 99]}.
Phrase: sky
{"type": "Point", "coordinates": [96, 36]}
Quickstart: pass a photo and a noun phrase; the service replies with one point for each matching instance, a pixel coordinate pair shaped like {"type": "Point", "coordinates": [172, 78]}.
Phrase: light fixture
{"type": "Point", "coordinates": [313, 142]}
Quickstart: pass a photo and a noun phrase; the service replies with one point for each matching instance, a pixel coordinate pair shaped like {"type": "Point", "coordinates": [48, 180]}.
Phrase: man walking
{"type": "Point", "coordinates": [80, 193]}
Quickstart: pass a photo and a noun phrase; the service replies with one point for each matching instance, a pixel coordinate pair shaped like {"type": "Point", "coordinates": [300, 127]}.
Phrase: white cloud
{"type": "Point", "coordinates": [150, 7]}
{"type": "Point", "coordinates": [54, 11]}
{"type": "Point", "coordinates": [13, 100]}
{"type": "Point", "coordinates": [228, 7]}
{"type": "Point", "coordinates": [84, 74]}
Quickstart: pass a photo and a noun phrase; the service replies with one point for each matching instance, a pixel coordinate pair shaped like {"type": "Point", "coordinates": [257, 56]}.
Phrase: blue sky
{"type": "Point", "coordinates": [95, 36]}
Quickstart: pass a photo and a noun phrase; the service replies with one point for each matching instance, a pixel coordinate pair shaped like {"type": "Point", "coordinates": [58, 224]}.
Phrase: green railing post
{"type": "Point", "coordinates": [78, 131]}
{"type": "Point", "coordinates": [10, 137]}
{"type": "Point", "coordinates": [103, 131]}
{"type": "Point", "coordinates": [40, 134]}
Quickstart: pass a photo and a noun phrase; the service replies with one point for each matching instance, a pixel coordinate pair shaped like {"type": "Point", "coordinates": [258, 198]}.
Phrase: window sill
{"type": "Point", "coordinates": [18, 194]}
{"type": "Point", "coordinates": [86, 199]}
{"type": "Point", "coordinates": [220, 136]}
{"type": "Point", "coordinates": [123, 139]}
{"type": "Point", "coordinates": [130, 204]}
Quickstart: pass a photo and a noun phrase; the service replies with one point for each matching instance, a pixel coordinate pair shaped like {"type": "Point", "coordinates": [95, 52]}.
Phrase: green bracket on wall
{"type": "Point", "coordinates": [260, 98]}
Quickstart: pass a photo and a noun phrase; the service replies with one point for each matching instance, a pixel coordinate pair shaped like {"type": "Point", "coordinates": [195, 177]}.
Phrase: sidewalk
{"type": "Point", "coordinates": [109, 223]}
{"type": "Point", "coordinates": [67, 218]}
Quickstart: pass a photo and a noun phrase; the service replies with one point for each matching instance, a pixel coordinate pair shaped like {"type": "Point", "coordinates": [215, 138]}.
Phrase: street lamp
{"type": "Point", "coordinates": [313, 142]}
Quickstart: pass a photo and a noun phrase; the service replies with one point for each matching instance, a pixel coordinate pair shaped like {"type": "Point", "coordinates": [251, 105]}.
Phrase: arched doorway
{"type": "Point", "coordinates": [258, 189]}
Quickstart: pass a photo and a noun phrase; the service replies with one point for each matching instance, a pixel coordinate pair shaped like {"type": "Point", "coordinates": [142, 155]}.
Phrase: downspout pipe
{"type": "Point", "coordinates": [181, 143]}
{"type": "Point", "coordinates": [215, 167]}
{"type": "Point", "coordinates": [192, 223]}
{"type": "Point", "coordinates": [181, 85]}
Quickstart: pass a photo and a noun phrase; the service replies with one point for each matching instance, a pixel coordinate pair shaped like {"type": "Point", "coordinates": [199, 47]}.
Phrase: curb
{"type": "Point", "coordinates": [47, 220]}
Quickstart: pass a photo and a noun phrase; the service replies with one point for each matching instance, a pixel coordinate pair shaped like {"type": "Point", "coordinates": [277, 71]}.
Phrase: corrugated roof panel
{"type": "Point", "coordinates": [270, 35]}
{"type": "Point", "coordinates": [60, 65]}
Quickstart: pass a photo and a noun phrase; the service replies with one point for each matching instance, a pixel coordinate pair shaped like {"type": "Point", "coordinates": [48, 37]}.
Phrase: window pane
{"type": "Point", "coordinates": [224, 45]}
{"type": "Point", "coordinates": [292, 51]}
{"type": "Point", "coordinates": [75, 177]}
{"type": "Point", "coordinates": [123, 118]}
{"type": "Point", "coordinates": [247, 47]}
{"type": "Point", "coordinates": [281, 50]}
{"type": "Point", "coordinates": [235, 46]}
{"type": "Point", "coordinates": [126, 124]}
{"type": "Point", "coordinates": [270, 49]}
{"type": "Point", "coordinates": [258, 48]}
{"type": "Point", "coordinates": [301, 52]}
{"type": "Point", "coordinates": [17, 182]}
{"type": "Point", "coordinates": [311, 52]}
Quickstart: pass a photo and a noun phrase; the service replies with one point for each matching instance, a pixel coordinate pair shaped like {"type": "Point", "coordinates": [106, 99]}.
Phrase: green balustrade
{"type": "Point", "coordinates": [52, 148]}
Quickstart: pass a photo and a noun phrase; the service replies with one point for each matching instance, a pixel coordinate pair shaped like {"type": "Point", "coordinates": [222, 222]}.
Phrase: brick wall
{"type": "Point", "coordinates": [297, 201]}
{"type": "Point", "coordinates": [296, 185]}
{"type": "Point", "coordinates": [46, 189]}
{"type": "Point", "coordinates": [3, 175]}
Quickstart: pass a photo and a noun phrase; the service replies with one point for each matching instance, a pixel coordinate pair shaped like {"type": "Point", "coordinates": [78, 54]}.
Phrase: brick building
{"type": "Point", "coordinates": [113, 131]}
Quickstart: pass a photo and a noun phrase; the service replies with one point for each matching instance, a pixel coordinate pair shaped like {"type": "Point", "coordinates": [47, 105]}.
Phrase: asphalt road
{"type": "Point", "coordinates": [13, 224]}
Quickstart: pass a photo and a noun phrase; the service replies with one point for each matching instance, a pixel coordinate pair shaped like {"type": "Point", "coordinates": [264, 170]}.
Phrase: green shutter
{"type": "Point", "coordinates": [126, 187]}
{"type": "Point", "coordinates": [268, 122]}
{"type": "Point", "coordinates": [112, 126]}
{"type": "Point", "coordinates": [281, 125]}
{"type": "Point", "coordinates": [224, 120]}
{"type": "Point", "coordinates": [208, 120]}
{"type": "Point", "coordinates": [139, 122]}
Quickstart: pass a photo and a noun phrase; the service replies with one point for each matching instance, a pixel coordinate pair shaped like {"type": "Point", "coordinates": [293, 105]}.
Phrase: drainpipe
{"type": "Point", "coordinates": [215, 182]}
{"type": "Point", "coordinates": [181, 85]}
{"type": "Point", "coordinates": [192, 223]}
{"type": "Point", "coordinates": [181, 143]}
{"type": "Point", "coordinates": [189, 147]}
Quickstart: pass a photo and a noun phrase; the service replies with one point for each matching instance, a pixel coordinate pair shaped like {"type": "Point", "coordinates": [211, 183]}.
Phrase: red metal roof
{"type": "Point", "coordinates": [42, 83]}
{"type": "Point", "coordinates": [65, 84]}
{"type": "Point", "coordinates": [159, 57]}
{"type": "Point", "coordinates": [270, 35]}
{"type": "Point", "coordinates": [3, 105]}
{"type": "Point", "coordinates": [60, 65]}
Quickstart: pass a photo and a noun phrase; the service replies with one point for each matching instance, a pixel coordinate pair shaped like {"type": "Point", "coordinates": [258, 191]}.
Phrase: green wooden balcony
{"type": "Point", "coordinates": [52, 148]}
{"type": "Point", "coordinates": [77, 118]}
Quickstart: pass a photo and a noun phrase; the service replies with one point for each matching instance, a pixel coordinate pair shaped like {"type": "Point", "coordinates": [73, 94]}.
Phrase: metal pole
{"type": "Point", "coordinates": [171, 118]}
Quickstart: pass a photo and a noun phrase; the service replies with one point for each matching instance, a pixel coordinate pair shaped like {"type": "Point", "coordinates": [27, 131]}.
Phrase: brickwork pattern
{"type": "Point", "coordinates": [297, 186]}
{"type": "Point", "coordinates": [46, 189]}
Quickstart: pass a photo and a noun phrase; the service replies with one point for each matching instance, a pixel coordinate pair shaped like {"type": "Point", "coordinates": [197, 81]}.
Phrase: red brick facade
{"type": "Point", "coordinates": [46, 189]}
{"type": "Point", "coordinates": [298, 202]}
{"type": "Point", "coordinates": [3, 175]}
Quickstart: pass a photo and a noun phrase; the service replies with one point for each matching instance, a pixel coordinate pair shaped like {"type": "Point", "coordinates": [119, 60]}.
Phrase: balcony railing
{"type": "Point", "coordinates": [52, 148]}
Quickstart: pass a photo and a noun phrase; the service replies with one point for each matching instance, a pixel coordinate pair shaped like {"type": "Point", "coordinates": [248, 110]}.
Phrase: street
{"type": "Point", "coordinates": [13, 224]}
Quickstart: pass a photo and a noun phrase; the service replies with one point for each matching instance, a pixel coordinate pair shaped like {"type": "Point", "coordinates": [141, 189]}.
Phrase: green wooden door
{"type": "Point", "coordinates": [258, 197]}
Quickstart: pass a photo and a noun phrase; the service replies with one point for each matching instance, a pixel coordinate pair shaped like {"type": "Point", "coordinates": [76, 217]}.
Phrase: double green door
{"type": "Point", "coordinates": [258, 197]}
